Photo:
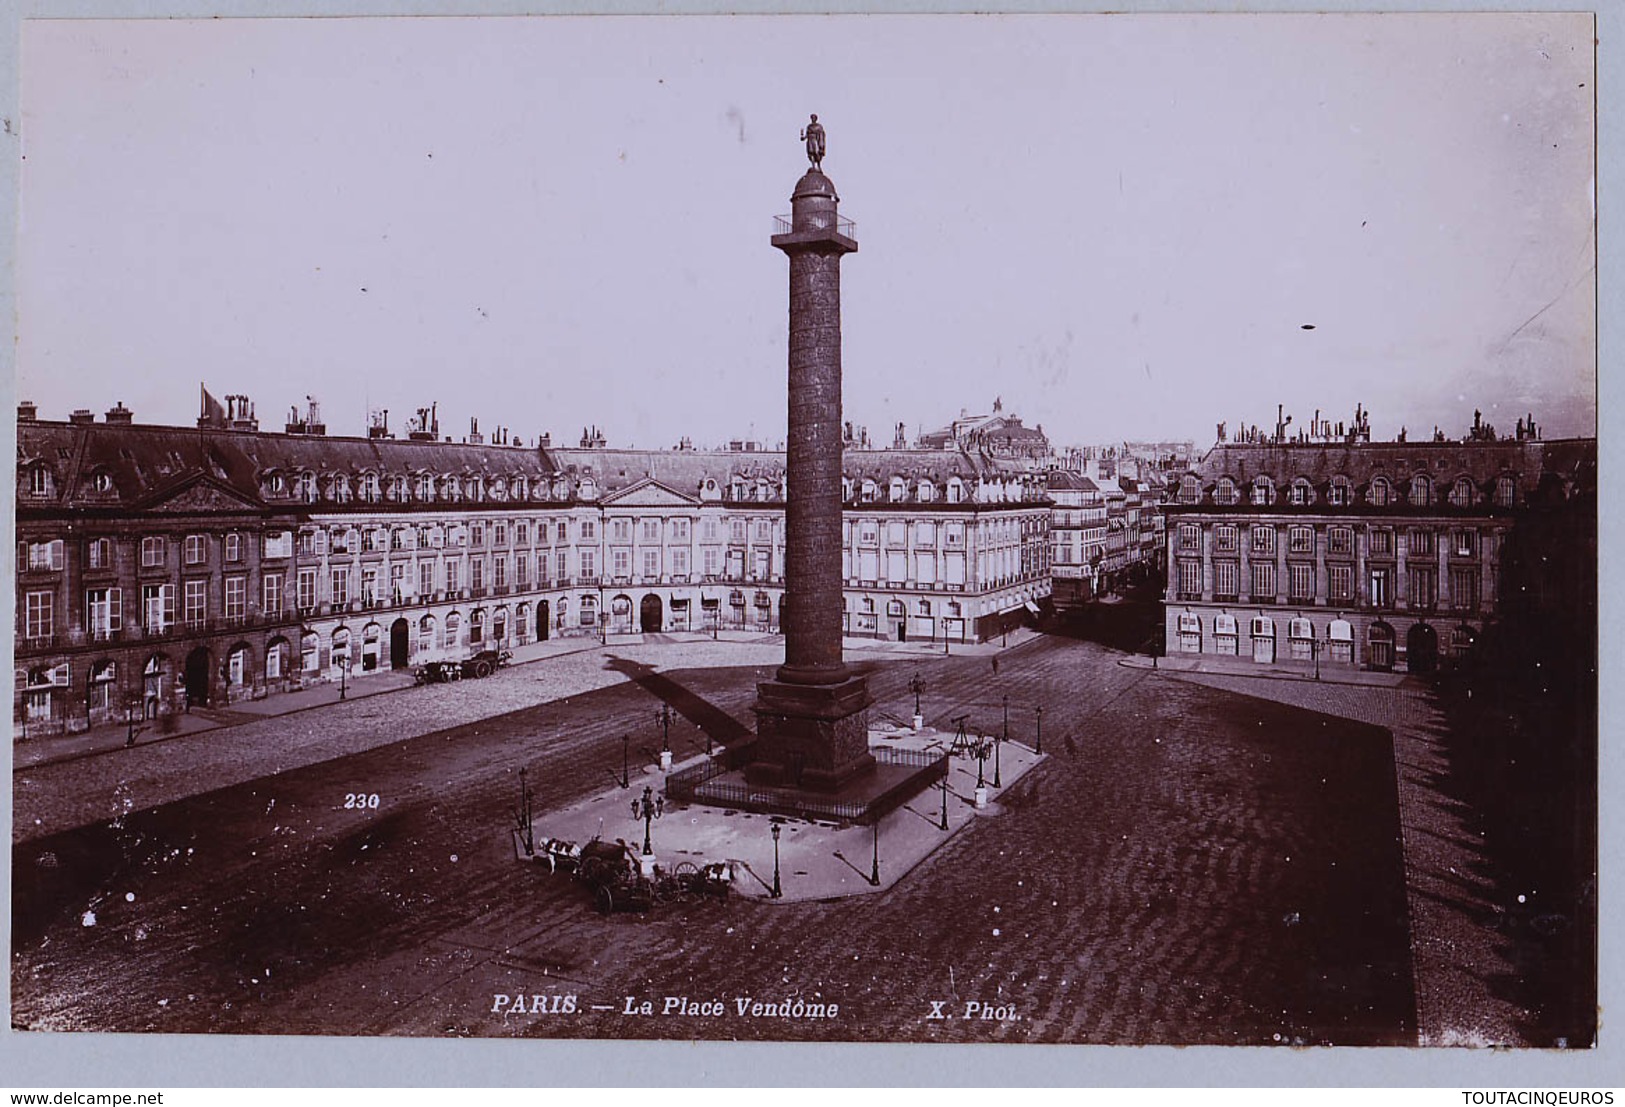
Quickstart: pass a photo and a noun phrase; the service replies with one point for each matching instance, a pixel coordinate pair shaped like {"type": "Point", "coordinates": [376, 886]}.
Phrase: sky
{"type": "Point", "coordinates": [1126, 227]}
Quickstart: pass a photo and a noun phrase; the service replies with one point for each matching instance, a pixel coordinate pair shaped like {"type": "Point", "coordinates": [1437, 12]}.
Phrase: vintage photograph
{"type": "Point", "coordinates": [974, 529]}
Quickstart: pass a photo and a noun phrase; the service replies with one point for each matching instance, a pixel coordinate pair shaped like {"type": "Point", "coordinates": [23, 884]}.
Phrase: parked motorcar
{"type": "Point", "coordinates": [486, 662]}
{"type": "Point", "coordinates": [438, 672]}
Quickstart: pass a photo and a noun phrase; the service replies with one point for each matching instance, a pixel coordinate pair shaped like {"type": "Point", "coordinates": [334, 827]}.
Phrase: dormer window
{"type": "Point", "coordinates": [1263, 491]}
{"type": "Point", "coordinates": [307, 487]}
{"type": "Point", "coordinates": [39, 481]}
{"type": "Point", "coordinates": [1225, 494]}
{"type": "Point", "coordinates": [102, 481]}
{"type": "Point", "coordinates": [1190, 489]}
{"type": "Point", "coordinates": [1421, 491]}
{"type": "Point", "coordinates": [898, 491]}
{"type": "Point", "coordinates": [1380, 493]}
{"type": "Point", "coordinates": [369, 487]}
{"type": "Point", "coordinates": [1302, 493]}
{"type": "Point", "coordinates": [1337, 494]}
{"type": "Point", "coordinates": [956, 491]}
{"type": "Point", "coordinates": [926, 492]}
{"type": "Point", "coordinates": [1462, 493]}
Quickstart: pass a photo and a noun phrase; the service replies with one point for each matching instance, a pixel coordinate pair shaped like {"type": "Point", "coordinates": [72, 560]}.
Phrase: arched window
{"type": "Point", "coordinates": [307, 487]}
{"type": "Point", "coordinates": [871, 491]}
{"type": "Point", "coordinates": [426, 628]}
{"type": "Point", "coordinates": [451, 489]}
{"type": "Point", "coordinates": [1506, 490]}
{"type": "Point", "coordinates": [1303, 493]}
{"type": "Point", "coordinates": [476, 628]}
{"type": "Point", "coordinates": [369, 487]}
{"type": "Point", "coordinates": [1421, 491]}
{"type": "Point", "coordinates": [589, 611]}
{"type": "Point", "coordinates": [1225, 493]}
{"type": "Point", "coordinates": [926, 492]}
{"type": "Point", "coordinates": [454, 628]}
{"type": "Point", "coordinates": [1380, 492]}
{"type": "Point", "coordinates": [1462, 493]}
{"type": "Point", "coordinates": [1263, 491]}
{"type": "Point", "coordinates": [1190, 489]}
{"type": "Point", "coordinates": [956, 490]}
{"type": "Point", "coordinates": [1341, 636]}
{"type": "Point", "coordinates": [898, 491]}
{"type": "Point", "coordinates": [1337, 493]}
{"type": "Point", "coordinates": [1224, 634]}
{"type": "Point", "coordinates": [1190, 632]}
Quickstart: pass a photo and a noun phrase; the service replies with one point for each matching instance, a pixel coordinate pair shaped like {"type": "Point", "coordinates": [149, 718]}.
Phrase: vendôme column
{"type": "Point", "coordinates": [812, 721]}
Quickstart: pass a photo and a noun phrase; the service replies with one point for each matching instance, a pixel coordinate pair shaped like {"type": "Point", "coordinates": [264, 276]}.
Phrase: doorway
{"type": "Point", "coordinates": [197, 676]}
{"type": "Point", "coordinates": [651, 615]}
{"type": "Point", "coordinates": [542, 617]}
{"type": "Point", "coordinates": [399, 644]}
{"type": "Point", "coordinates": [1422, 649]}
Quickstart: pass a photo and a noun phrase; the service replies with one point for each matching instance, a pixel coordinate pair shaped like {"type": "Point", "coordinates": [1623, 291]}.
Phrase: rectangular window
{"type": "Point", "coordinates": [196, 550]}
{"type": "Point", "coordinates": [369, 586]}
{"type": "Point", "coordinates": [1464, 589]}
{"type": "Point", "coordinates": [103, 610]}
{"type": "Point", "coordinates": [679, 530]}
{"type": "Point", "coordinates": [234, 547]}
{"type": "Point", "coordinates": [45, 555]}
{"type": "Point", "coordinates": [564, 564]}
{"type": "Point", "coordinates": [589, 530]}
{"type": "Point", "coordinates": [1382, 543]}
{"type": "Point", "coordinates": [1301, 583]}
{"type": "Point", "coordinates": [521, 534]}
{"type": "Point", "coordinates": [1424, 584]}
{"type": "Point", "coordinates": [1465, 543]}
{"type": "Point", "coordinates": [953, 569]}
{"type": "Point", "coordinates": [1263, 540]}
{"type": "Point", "coordinates": [651, 530]}
{"type": "Point", "coordinates": [1421, 543]}
{"type": "Point", "coordinates": [709, 529]}
{"type": "Point", "coordinates": [236, 597]}
{"type": "Point", "coordinates": [620, 530]}
{"type": "Point", "coordinates": [307, 589]}
{"type": "Point", "coordinates": [1190, 580]}
{"type": "Point", "coordinates": [279, 543]}
{"type": "Point", "coordinates": [501, 534]}
{"type": "Point", "coordinates": [271, 596]}
{"type": "Point", "coordinates": [679, 561]}
{"type": "Point", "coordinates": [154, 552]}
{"type": "Point", "coordinates": [1224, 539]}
{"type": "Point", "coordinates": [869, 566]}
{"type": "Point", "coordinates": [651, 563]}
{"type": "Point", "coordinates": [1263, 581]}
{"type": "Point", "coordinates": [425, 578]}
{"type": "Point", "coordinates": [500, 574]}
{"type": "Point", "coordinates": [39, 620]}
{"type": "Point", "coordinates": [101, 553]}
{"type": "Point", "coordinates": [896, 566]}
{"type": "Point", "coordinates": [1190, 536]}
{"type": "Point", "coordinates": [158, 606]}
{"type": "Point", "coordinates": [1340, 540]}
{"type": "Point", "coordinates": [925, 568]}
{"type": "Point", "coordinates": [197, 601]}
{"type": "Point", "coordinates": [1340, 583]}
{"type": "Point", "coordinates": [340, 586]}
{"type": "Point", "coordinates": [476, 572]}
{"type": "Point", "coordinates": [454, 575]}
{"type": "Point", "coordinates": [1301, 540]}
{"type": "Point", "coordinates": [589, 564]}
{"type": "Point", "coordinates": [1380, 593]}
{"type": "Point", "coordinates": [476, 534]}
{"type": "Point", "coordinates": [521, 570]}
{"type": "Point", "coordinates": [713, 560]}
{"type": "Point", "coordinates": [623, 563]}
{"type": "Point", "coordinates": [1226, 580]}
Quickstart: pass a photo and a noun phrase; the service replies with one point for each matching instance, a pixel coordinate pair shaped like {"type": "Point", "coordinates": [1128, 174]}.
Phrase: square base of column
{"type": "Point", "coordinates": [811, 737]}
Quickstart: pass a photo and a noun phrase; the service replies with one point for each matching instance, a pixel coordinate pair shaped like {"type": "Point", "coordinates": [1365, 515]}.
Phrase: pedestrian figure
{"type": "Point", "coordinates": [995, 666]}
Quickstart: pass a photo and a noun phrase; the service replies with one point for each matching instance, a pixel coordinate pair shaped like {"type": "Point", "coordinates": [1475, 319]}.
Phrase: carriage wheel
{"type": "Point", "coordinates": [483, 669]}
{"type": "Point", "coordinates": [687, 870]}
{"type": "Point", "coordinates": [605, 899]}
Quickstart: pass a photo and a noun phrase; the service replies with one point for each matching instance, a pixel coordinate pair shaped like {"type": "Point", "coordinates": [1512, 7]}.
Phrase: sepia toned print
{"type": "Point", "coordinates": [1203, 653]}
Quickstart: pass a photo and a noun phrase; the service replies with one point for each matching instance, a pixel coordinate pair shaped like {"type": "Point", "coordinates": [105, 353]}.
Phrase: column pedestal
{"type": "Point", "coordinates": [813, 738]}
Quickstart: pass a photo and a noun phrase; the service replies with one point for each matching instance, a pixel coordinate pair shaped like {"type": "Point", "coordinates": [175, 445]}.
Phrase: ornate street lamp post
{"type": "Point", "coordinates": [916, 685]}
{"type": "Point", "coordinates": [649, 808]}
{"type": "Point", "coordinates": [778, 891]}
{"type": "Point", "coordinates": [664, 715]}
{"type": "Point", "coordinates": [945, 800]}
{"type": "Point", "coordinates": [344, 674]}
{"type": "Point", "coordinates": [874, 874]}
{"type": "Point", "coordinates": [626, 742]}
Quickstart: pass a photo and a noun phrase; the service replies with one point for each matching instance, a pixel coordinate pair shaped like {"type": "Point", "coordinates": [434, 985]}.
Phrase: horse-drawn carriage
{"type": "Point", "coordinates": [611, 870]}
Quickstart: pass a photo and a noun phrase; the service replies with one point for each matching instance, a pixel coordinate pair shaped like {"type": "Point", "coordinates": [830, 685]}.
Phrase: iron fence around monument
{"type": "Point", "coordinates": [699, 784]}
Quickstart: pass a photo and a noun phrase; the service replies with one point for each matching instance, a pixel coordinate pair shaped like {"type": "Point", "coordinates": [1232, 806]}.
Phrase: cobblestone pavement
{"type": "Point", "coordinates": [1461, 962]}
{"type": "Point", "coordinates": [1193, 866]}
